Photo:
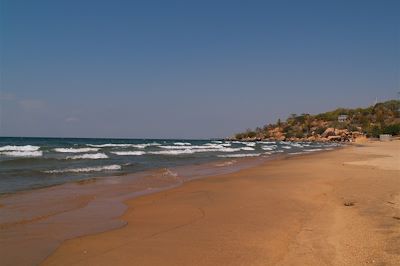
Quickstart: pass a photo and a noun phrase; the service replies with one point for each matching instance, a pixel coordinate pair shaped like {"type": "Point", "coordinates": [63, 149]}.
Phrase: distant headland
{"type": "Point", "coordinates": [338, 125]}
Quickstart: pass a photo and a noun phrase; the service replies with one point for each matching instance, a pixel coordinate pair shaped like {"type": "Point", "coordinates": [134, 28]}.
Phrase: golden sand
{"type": "Point", "coordinates": [333, 208]}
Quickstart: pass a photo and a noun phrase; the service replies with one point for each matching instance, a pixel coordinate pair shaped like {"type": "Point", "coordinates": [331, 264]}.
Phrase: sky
{"type": "Point", "coordinates": [189, 69]}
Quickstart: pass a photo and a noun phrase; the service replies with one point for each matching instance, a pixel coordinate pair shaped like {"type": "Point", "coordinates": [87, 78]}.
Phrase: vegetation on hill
{"type": "Point", "coordinates": [382, 118]}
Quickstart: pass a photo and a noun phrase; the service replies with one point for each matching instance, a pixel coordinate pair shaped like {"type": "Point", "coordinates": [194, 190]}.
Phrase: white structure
{"type": "Point", "coordinates": [385, 137]}
{"type": "Point", "coordinates": [342, 118]}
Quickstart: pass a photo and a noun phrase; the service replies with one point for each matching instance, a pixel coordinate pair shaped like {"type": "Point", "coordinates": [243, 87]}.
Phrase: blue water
{"type": "Point", "coordinates": [27, 163]}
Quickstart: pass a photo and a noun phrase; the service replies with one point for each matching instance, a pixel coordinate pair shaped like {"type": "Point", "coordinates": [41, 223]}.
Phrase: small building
{"type": "Point", "coordinates": [342, 118]}
{"type": "Point", "coordinates": [385, 137]}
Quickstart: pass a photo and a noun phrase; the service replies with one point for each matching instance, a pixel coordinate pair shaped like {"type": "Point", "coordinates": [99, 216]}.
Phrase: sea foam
{"type": "Point", "coordinates": [19, 148]}
{"type": "Point", "coordinates": [86, 169]}
{"type": "Point", "coordinates": [92, 156]}
{"type": "Point", "coordinates": [172, 152]}
{"type": "Point", "coordinates": [239, 155]}
{"type": "Point", "coordinates": [128, 153]}
{"type": "Point", "coordinates": [75, 150]}
{"type": "Point", "coordinates": [22, 153]}
{"type": "Point", "coordinates": [182, 143]}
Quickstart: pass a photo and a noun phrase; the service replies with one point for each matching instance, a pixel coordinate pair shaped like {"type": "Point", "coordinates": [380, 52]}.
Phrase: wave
{"type": "Point", "coordinates": [286, 147]}
{"type": "Point", "coordinates": [92, 156]}
{"type": "Point", "coordinates": [172, 152]}
{"type": "Point", "coordinates": [109, 145]}
{"type": "Point", "coordinates": [22, 153]}
{"type": "Point", "coordinates": [296, 145]}
{"type": "Point", "coordinates": [128, 153]}
{"type": "Point", "coordinates": [239, 155]}
{"type": "Point", "coordinates": [168, 173]}
{"type": "Point", "coordinates": [247, 149]}
{"type": "Point", "coordinates": [297, 153]}
{"type": "Point", "coordinates": [75, 150]}
{"type": "Point", "coordinates": [195, 149]}
{"type": "Point", "coordinates": [206, 146]}
{"type": "Point", "coordinates": [182, 143]}
{"type": "Point", "coordinates": [86, 169]}
{"type": "Point", "coordinates": [251, 144]}
{"type": "Point", "coordinates": [19, 148]}
{"type": "Point", "coordinates": [225, 163]}
{"type": "Point", "coordinates": [268, 148]}
{"type": "Point", "coordinates": [226, 144]}
{"type": "Point", "coordinates": [312, 150]}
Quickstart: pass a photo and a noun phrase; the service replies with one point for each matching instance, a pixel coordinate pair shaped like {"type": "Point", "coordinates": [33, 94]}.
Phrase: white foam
{"type": "Point", "coordinates": [75, 150]}
{"type": "Point", "coordinates": [296, 153]}
{"type": "Point", "coordinates": [22, 153]}
{"type": "Point", "coordinates": [294, 144]}
{"type": "Point", "coordinates": [286, 147]}
{"type": "Point", "coordinates": [128, 153]}
{"type": "Point", "coordinates": [251, 144]}
{"type": "Point", "coordinates": [108, 145]}
{"type": "Point", "coordinates": [19, 148]}
{"type": "Point", "coordinates": [268, 148]}
{"type": "Point", "coordinates": [195, 149]}
{"type": "Point", "coordinates": [172, 152]}
{"type": "Point", "coordinates": [225, 163]}
{"type": "Point", "coordinates": [226, 144]}
{"type": "Point", "coordinates": [313, 150]}
{"type": "Point", "coordinates": [267, 142]}
{"type": "Point", "coordinates": [239, 155]}
{"type": "Point", "coordinates": [86, 169]}
{"type": "Point", "coordinates": [92, 156]}
{"type": "Point", "coordinates": [179, 147]}
{"type": "Point", "coordinates": [168, 173]}
{"type": "Point", "coordinates": [182, 143]}
{"type": "Point", "coordinates": [229, 149]}
{"type": "Point", "coordinates": [206, 146]}
{"type": "Point", "coordinates": [247, 149]}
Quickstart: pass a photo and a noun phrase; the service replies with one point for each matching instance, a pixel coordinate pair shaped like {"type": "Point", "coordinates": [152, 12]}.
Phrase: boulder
{"type": "Point", "coordinates": [330, 131]}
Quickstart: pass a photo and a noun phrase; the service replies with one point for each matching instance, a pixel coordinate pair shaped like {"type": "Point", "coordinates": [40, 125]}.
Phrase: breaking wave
{"type": "Point", "coordinates": [75, 150]}
{"type": "Point", "coordinates": [86, 169]}
{"type": "Point", "coordinates": [247, 149]}
{"type": "Point", "coordinates": [239, 155]}
{"type": "Point", "coordinates": [110, 145]}
{"type": "Point", "coordinates": [128, 153]}
{"type": "Point", "coordinates": [172, 152]}
{"type": "Point", "coordinates": [19, 148]}
{"type": "Point", "coordinates": [92, 156]}
{"type": "Point", "coordinates": [182, 143]}
{"type": "Point", "coordinates": [22, 153]}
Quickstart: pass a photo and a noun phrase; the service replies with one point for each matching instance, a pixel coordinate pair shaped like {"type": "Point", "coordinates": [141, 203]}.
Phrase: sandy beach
{"type": "Point", "coordinates": [339, 207]}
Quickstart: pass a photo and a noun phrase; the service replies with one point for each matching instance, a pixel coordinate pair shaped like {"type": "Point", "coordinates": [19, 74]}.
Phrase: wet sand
{"type": "Point", "coordinates": [332, 208]}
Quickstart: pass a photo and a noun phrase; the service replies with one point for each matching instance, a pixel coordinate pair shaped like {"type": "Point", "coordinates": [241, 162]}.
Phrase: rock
{"type": "Point", "coordinates": [330, 131]}
{"type": "Point", "coordinates": [334, 138]}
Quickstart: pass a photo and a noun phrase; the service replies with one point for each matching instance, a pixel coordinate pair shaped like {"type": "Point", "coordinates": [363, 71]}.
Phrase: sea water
{"type": "Point", "coordinates": [29, 163]}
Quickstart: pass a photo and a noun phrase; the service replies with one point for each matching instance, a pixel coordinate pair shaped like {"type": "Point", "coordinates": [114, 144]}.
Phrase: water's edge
{"type": "Point", "coordinates": [91, 207]}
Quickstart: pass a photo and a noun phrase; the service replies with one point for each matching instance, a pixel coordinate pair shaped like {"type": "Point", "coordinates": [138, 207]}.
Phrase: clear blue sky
{"type": "Point", "coordinates": [193, 69]}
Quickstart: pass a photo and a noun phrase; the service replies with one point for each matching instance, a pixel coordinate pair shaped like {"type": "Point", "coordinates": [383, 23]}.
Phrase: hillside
{"type": "Point", "coordinates": [338, 125]}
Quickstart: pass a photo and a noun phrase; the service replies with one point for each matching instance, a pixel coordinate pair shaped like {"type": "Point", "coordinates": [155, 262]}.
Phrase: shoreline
{"type": "Point", "coordinates": [217, 219]}
{"type": "Point", "coordinates": [126, 202]}
{"type": "Point", "coordinates": [80, 203]}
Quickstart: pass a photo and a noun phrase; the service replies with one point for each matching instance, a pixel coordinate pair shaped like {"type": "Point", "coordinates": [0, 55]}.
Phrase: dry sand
{"type": "Point", "coordinates": [333, 208]}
